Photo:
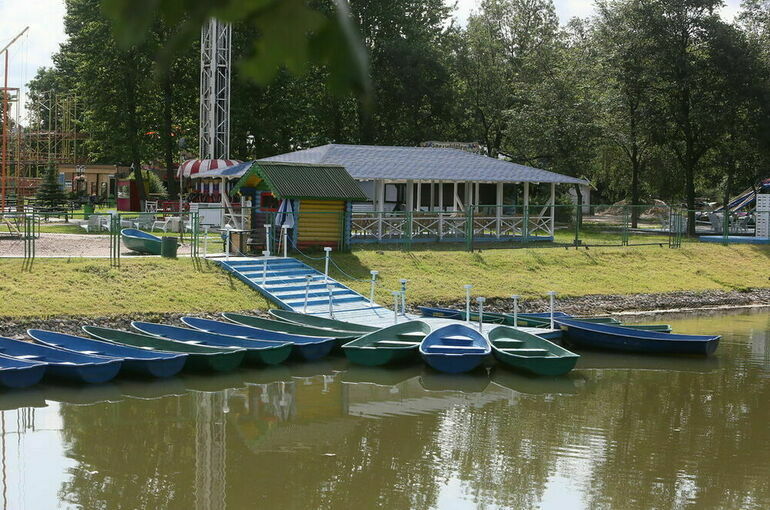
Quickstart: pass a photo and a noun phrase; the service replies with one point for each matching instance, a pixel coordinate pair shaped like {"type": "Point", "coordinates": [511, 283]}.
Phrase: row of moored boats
{"type": "Point", "coordinates": [205, 345]}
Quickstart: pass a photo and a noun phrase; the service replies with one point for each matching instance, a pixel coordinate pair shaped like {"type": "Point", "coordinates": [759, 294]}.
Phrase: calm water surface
{"type": "Point", "coordinates": [619, 432]}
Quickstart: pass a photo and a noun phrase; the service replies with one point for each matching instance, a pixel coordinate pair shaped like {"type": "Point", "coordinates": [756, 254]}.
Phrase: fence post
{"type": "Point", "coordinates": [624, 234]}
{"type": "Point", "coordinates": [469, 228]}
{"type": "Point", "coordinates": [578, 213]}
{"type": "Point", "coordinates": [726, 227]}
{"type": "Point", "coordinates": [525, 230]}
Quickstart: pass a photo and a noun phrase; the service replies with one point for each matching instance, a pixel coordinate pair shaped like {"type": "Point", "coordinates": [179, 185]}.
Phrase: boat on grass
{"type": "Point", "coordinates": [530, 353]}
{"type": "Point", "coordinates": [200, 358]}
{"type": "Point", "coordinates": [454, 349]}
{"type": "Point", "coordinates": [257, 351]}
{"type": "Point", "coordinates": [342, 337]}
{"type": "Point", "coordinates": [141, 242]}
{"type": "Point", "coordinates": [321, 322]}
{"type": "Point", "coordinates": [62, 363]}
{"type": "Point", "coordinates": [16, 373]}
{"type": "Point", "coordinates": [308, 347]}
{"type": "Point", "coordinates": [619, 338]}
{"type": "Point", "coordinates": [135, 361]}
{"type": "Point", "coordinates": [387, 345]}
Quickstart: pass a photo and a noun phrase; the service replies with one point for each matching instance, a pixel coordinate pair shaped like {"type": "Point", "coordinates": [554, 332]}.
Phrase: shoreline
{"type": "Point", "coordinates": [596, 304]}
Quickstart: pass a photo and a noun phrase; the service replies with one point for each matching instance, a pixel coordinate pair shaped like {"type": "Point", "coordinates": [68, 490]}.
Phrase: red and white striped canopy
{"type": "Point", "coordinates": [193, 166]}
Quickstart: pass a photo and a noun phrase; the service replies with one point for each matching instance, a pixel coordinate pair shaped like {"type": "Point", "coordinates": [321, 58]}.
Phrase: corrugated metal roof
{"type": "Point", "coordinates": [305, 181]}
{"type": "Point", "coordinates": [366, 162]}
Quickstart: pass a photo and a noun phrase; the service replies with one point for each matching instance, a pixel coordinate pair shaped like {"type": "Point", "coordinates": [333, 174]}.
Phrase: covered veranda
{"type": "Point", "coordinates": [442, 194]}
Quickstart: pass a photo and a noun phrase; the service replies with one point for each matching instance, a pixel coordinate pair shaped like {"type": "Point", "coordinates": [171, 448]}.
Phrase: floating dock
{"type": "Point", "coordinates": [293, 285]}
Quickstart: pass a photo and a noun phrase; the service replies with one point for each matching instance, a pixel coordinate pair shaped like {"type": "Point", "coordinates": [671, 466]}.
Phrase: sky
{"type": "Point", "coordinates": [46, 29]}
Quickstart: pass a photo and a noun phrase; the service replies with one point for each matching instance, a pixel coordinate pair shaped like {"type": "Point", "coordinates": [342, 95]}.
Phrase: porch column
{"type": "Point", "coordinates": [455, 198]}
{"type": "Point", "coordinates": [441, 196]}
{"type": "Point", "coordinates": [498, 208]}
{"type": "Point", "coordinates": [476, 200]}
{"type": "Point", "coordinates": [553, 207]}
{"type": "Point", "coordinates": [468, 195]}
{"type": "Point", "coordinates": [419, 196]}
{"type": "Point", "coordinates": [432, 196]}
{"type": "Point", "coordinates": [379, 186]}
{"type": "Point", "coordinates": [409, 195]}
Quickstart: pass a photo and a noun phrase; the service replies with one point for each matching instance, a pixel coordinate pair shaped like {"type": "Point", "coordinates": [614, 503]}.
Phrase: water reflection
{"type": "Point", "coordinates": [620, 431]}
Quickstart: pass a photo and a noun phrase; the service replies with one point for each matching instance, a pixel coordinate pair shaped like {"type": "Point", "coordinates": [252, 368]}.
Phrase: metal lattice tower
{"type": "Point", "coordinates": [216, 44]}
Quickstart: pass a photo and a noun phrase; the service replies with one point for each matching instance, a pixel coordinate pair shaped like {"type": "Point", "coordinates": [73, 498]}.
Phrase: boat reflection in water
{"type": "Point", "coordinates": [618, 431]}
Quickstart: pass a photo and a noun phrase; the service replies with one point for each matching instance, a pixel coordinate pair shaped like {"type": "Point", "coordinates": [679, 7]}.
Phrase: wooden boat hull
{"type": "Point", "coordinates": [140, 242]}
{"type": "Point", "coordinates": [135, 361]}
{"type": "Point", "coordinates": [321, 322]}
{"type": "Point", "coordinates": [618, 338]}
{"type": "Point", "coordinates": [20, 374]}
{"type": "Point", "coordinates": [257, 352]}
{"type": "Point", "coordinates": [444, 356]}
{"type": "Point", "coordinates": [199, 358]}
{"type": "Point", "coordinates": [530, 353]}
{"type": "Point", "coordinates": [305, 347]}
{"type": "Point", "coordinates": [394, 344]}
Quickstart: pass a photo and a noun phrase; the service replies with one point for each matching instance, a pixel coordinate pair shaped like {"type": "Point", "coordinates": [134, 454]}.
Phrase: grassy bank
{"type": "Point", "coordinates": [435, 274]}
{"type": "Point", "coordinates": [91, 288]}
{"type": "Point", "coordinates": [440, 275]}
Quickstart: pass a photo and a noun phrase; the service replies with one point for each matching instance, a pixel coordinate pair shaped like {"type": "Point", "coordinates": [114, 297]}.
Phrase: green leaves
{"type": "Point", "coordinates": [291, 35]}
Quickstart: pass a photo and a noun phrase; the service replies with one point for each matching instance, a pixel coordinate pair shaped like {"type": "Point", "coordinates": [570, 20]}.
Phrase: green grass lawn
{"type": "Point", "coordinates": [435, 274]}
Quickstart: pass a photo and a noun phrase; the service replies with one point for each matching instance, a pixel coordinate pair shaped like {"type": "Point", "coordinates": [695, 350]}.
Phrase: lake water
{"type": "Point", "coordinates": [620, 432]}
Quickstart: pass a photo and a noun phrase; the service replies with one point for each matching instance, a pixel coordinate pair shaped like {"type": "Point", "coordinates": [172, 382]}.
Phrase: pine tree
{"type": "Point", "coordinates": [50, 194]}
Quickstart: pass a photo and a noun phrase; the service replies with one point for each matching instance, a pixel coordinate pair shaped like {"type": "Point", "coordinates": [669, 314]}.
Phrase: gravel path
{"type": "Point", "coordinates": [69, 245]}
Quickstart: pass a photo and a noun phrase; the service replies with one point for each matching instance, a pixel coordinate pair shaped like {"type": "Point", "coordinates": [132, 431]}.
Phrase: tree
{"type": "Point", "coordinates": [50, 194]}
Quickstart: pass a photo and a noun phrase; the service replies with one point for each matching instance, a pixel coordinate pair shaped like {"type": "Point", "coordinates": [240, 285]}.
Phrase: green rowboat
{"type": "Point", "coordinates": [321, 322]}
{"type": "Point", "coordinates": [387, 345]}
{"type": "Point", "coordinates": [200, 358]}
{"type": "Point", "coordinates": [530, 353]}
{"type": "Point", "coordinates": [342, 337]}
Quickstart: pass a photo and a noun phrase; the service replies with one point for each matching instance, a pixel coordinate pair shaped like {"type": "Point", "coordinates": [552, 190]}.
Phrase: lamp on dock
{"type": "Point", "coordinates": [374, 283]}
{"type": "Point", "coordinates": [403, 295]}
{"type": "Point", "coordinates": [330, 288]}
{"type": "Point", "coordinates": [265, 254]}
{"type": "Point", "coordinates": [551, 297]}
{"type": "Point", "coordinates": [480, 300]}
{"type": "Point", "coordinates": [284, 238]}
{"type": "Point", "coordinates": [267, 238]}
{"type": "Point", "coordinates": [308, 277]}
{"type": "Point", "coordinates": [515, 298]}
{"type": "Point", "coordinates": [396, 296]}
{"type": "Point", "coordinates": [467, 288]}
{"type": "Point", "coordinates": [327, 255]}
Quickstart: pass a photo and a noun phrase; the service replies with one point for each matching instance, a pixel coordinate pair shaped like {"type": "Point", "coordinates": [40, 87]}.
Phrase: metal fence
{"type": "Point", "coordinates": [216, 230]}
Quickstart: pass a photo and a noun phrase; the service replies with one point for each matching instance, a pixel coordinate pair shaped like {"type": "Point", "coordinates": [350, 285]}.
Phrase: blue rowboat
{"type": "Point", "coordinates": [140, 242]}
{"type": "Point", "coordinates": [618, 338]}
{"type": "Point", "coordinates": [257, 351]}
{"type": "Point", "coordinates": [62, 363]}
{"type": "Point", "coordinates": [135, 361]}
{"type": "Point", "coordinates": [15, 373]}
{"type": "Point", "coordinates": [454, 349]}
{"type": "Point", "coordinates": [308, 347]}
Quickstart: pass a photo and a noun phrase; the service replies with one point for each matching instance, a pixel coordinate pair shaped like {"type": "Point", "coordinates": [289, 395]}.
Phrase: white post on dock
{"type": "Point", "coordinates": [308, 277]}
{"type": "Point", "coordinates": [480, 300]}
{"type": "Point", "coordinates": [267, 238]}
{"type": "Point", "coordinates": [327, 255]}
{"type": "Point", "coordinates": [403, 295]}
{"type": "Point", "coordinates": [265, 254]}
{"type": "Point", "coordinates": [330, 288]}
{"type": "Point", "coordinates": [374, 283]}
{"type": "Point", "coordinates": [285, 239]}
{"type": "Point", "coordinates": [515, 310]}
{"type": "Point", "coordinates": [468, 288]}
{"type": "Point", "coordinates": [227, 244]}
{"type": "Point", "coordinates": [396, 295]}
{"type": "Point", "coordinates": [551, 296]}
